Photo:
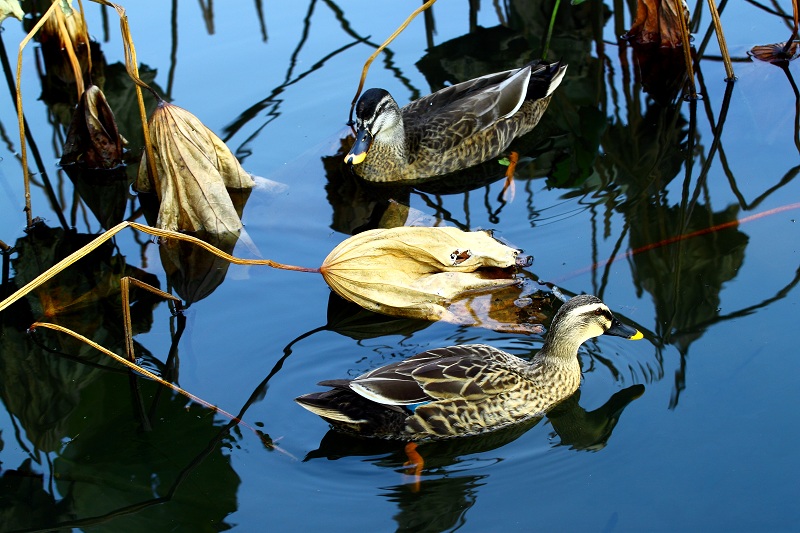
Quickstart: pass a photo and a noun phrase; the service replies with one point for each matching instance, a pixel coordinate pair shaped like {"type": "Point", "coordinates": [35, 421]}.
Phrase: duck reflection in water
{"type": "Point", "coordinates": [468, 389]}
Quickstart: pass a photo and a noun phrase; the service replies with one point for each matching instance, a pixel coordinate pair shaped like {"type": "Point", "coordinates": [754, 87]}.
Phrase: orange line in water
{"type": "Point", "coordinates": [678, 238]}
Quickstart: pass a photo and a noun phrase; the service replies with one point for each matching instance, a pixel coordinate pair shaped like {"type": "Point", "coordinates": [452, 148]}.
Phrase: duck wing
{"type": "Point", "coordinates": [466, 108]}
{"type": "Point", "coordinates": [470, 372]}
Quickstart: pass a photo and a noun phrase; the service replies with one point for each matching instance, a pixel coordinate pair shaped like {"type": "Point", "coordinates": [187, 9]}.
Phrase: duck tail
{"type": "Point", "coordinates": [545, 78]}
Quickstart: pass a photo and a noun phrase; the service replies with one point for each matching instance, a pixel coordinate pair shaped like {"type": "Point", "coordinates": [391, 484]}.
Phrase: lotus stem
{"type": "Point", "coordinates": [386, 43]}
{"type": "Point", "coordinates": [21, 117]}
{"type": "Point", "coordinates": [687, 51]}
{"type": "Point", "coordinates": [550, 29]}
{"type": "Point", "coordinates": [94, 244]}
{"type": "Point", "coordinates": [723, 45]}
{"type": "Point", "coordinates": [133, 366]}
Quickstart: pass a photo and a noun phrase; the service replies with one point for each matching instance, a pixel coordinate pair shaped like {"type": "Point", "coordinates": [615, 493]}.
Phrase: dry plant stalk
{"type": "Point", "coordinates": [21, 117]}
{"type": "Point", "coordinates": [131, 65]}
{"type": "Point", "coordinates": [51, 272]}
{"type": "Point", "coordinates": [386, 43]}
{"type": "Point", "coordinates": [723, 45]}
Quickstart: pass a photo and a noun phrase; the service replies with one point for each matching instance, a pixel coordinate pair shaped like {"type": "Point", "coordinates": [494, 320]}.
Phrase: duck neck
{"type": "Point", "coordinates": [562, 353]}
{"type": "Point", "coordinates": [393, 141]}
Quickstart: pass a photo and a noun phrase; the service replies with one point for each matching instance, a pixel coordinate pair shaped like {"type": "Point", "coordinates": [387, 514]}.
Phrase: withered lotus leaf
{"type": "Point", "coordinates": [418, 272]}
{"type": "Point", "coordinates": [10, 8]}
{"type": "Point", "coordinates": [777, 54]}
{"type": "Point", "coordinates": [195, 171]}
{"type": "Point", "coordinates": [657, 21]}
{"type": "Point", "coordinates": [92, 138]}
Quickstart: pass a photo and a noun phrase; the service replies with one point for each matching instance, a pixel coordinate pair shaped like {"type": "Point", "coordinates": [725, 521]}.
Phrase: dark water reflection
{"type": "Point", "coordinates": [681, 215]}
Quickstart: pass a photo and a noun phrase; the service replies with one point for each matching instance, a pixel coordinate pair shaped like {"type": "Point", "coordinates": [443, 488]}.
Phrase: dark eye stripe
{"type": "Point", "coordinates": [603, 312]}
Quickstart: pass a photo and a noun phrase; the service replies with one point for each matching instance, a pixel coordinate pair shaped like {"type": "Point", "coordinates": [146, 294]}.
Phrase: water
{"type": "Point", "coordinates": [689, 429]}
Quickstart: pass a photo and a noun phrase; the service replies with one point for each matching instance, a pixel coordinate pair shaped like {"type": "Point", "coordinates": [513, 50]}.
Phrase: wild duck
{"type": "Point", "coordinates": [454, 128]}
{"type": "Point", "coordinates": [467, 389]}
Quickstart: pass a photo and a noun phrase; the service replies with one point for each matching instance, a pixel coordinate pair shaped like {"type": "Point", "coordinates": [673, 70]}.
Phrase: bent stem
{"type": "Point", "coordinates": [132, 66]}
{"type": "Point", "coordinates": [95, 243]}
{"type": "Point", "coordinates": [386, 43]}
{"type": "Point", "coordinates": [133, 366]}
{"type": "Point", "coordinates": [723, 46]}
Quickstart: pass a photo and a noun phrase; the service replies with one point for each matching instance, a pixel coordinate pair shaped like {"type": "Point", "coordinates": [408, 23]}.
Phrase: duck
{"type": "Point", "coordinates": [455, 128]}
{"type": "Point", "coordinates": [466, 390]}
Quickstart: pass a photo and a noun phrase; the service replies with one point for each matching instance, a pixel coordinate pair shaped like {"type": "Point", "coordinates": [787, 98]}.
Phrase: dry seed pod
{"type": "Point", "coordinates": [93, 138]}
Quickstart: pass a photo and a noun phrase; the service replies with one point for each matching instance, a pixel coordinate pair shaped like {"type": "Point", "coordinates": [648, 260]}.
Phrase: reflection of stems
{"type": "Point", "coordinates": [781, 294]}
{"type": "Point", "coordinates": [441, 211]}
{"type": "Point", "coordinates": [550, 29]}
{"type": "Point", "coordinates": [784, 65]}
{"type": "Point", "coordinates": [257, 394]}
{"type": "Point", "coordinates": [5, 286]}
{"type": "Point", "coordinates": [716, 142]}
{"type": "Point", "coordinates": [173, 51]}
{"type": "Point", "coordinates": [787, 178]}
{"type": "Point", "coordinates": [262, 24]}
{"type": "Point", "coordinates": [769, 10]}
{"type": "Point", "coordinates": [169, 364]}
{"type": "Point", "coordinates": [682, 237]}
{"type": "Point", "coordinates": [387, 61]}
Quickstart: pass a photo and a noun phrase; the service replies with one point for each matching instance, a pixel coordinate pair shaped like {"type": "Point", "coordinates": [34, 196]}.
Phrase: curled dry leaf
{"type": "Point", "coordinates": [10, 8]}
{"type": "Point", "coordinates": [777, 54]}
{"type": "Point", "coordinates": [195, 174]}
{"type": "Point", "coordinates": [657, 21]}
{"type": "Point", "coordinates": [93, 139]}
{"type": "Point", "coordinates": [420, 272]}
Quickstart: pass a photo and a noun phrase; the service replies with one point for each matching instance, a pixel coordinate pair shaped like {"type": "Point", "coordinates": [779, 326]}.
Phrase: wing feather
{"type": "Point", "coordinates": [470, 372]}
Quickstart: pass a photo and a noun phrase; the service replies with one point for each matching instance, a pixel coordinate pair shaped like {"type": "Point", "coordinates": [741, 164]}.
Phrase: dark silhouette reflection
{"type": "Point", "coordinates": [45, 374]}
{"type": "Point", "coordinates": [195, 273]}
{"type": "Point", "coordinates": [590, 430]}
{"type": "Point", "coordinates": [352, 320]}
{"type": "Point", "coordinates": [78, 419]}
{"type": "Point", "coordinates": [438, 505]}
{"type": "Point", "coordinates": [104, 191]}
{"type": "Point", "coordinates": [441, 499]}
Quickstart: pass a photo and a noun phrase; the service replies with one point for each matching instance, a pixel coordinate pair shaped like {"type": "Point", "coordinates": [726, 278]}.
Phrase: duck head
{"type": "Point", "coordinates": [377, 116]}
{"type": "Point", "coordinates": [582, 318]}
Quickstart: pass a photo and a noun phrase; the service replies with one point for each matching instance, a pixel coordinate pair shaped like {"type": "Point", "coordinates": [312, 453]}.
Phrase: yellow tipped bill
{"type": "Point", "coordinates": [358, 152]}
{"type": "Point", "coordinates": [618, 329]}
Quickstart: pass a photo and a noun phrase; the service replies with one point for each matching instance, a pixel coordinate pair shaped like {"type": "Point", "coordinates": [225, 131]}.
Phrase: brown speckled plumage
{"type": "Point", "coordinates": [467, 389]}
{"type": "Point", "coordinates": [454, 128]}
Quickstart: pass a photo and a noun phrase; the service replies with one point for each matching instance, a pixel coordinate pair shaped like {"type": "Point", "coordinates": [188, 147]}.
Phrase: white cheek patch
{"type": "Point", "coordinates": [586, 314]}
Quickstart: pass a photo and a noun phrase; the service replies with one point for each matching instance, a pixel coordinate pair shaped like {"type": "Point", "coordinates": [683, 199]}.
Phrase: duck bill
{"type": "Point", "coordinates": [360, 148]}
{"type": "Point", "coordinates": [618, 329]}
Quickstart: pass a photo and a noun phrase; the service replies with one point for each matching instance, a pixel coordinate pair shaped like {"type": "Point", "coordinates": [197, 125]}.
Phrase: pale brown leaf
{"type": "Point", "coordinates": [195, 174]}
{"type": "Point", "coordinates": [420, 272]}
